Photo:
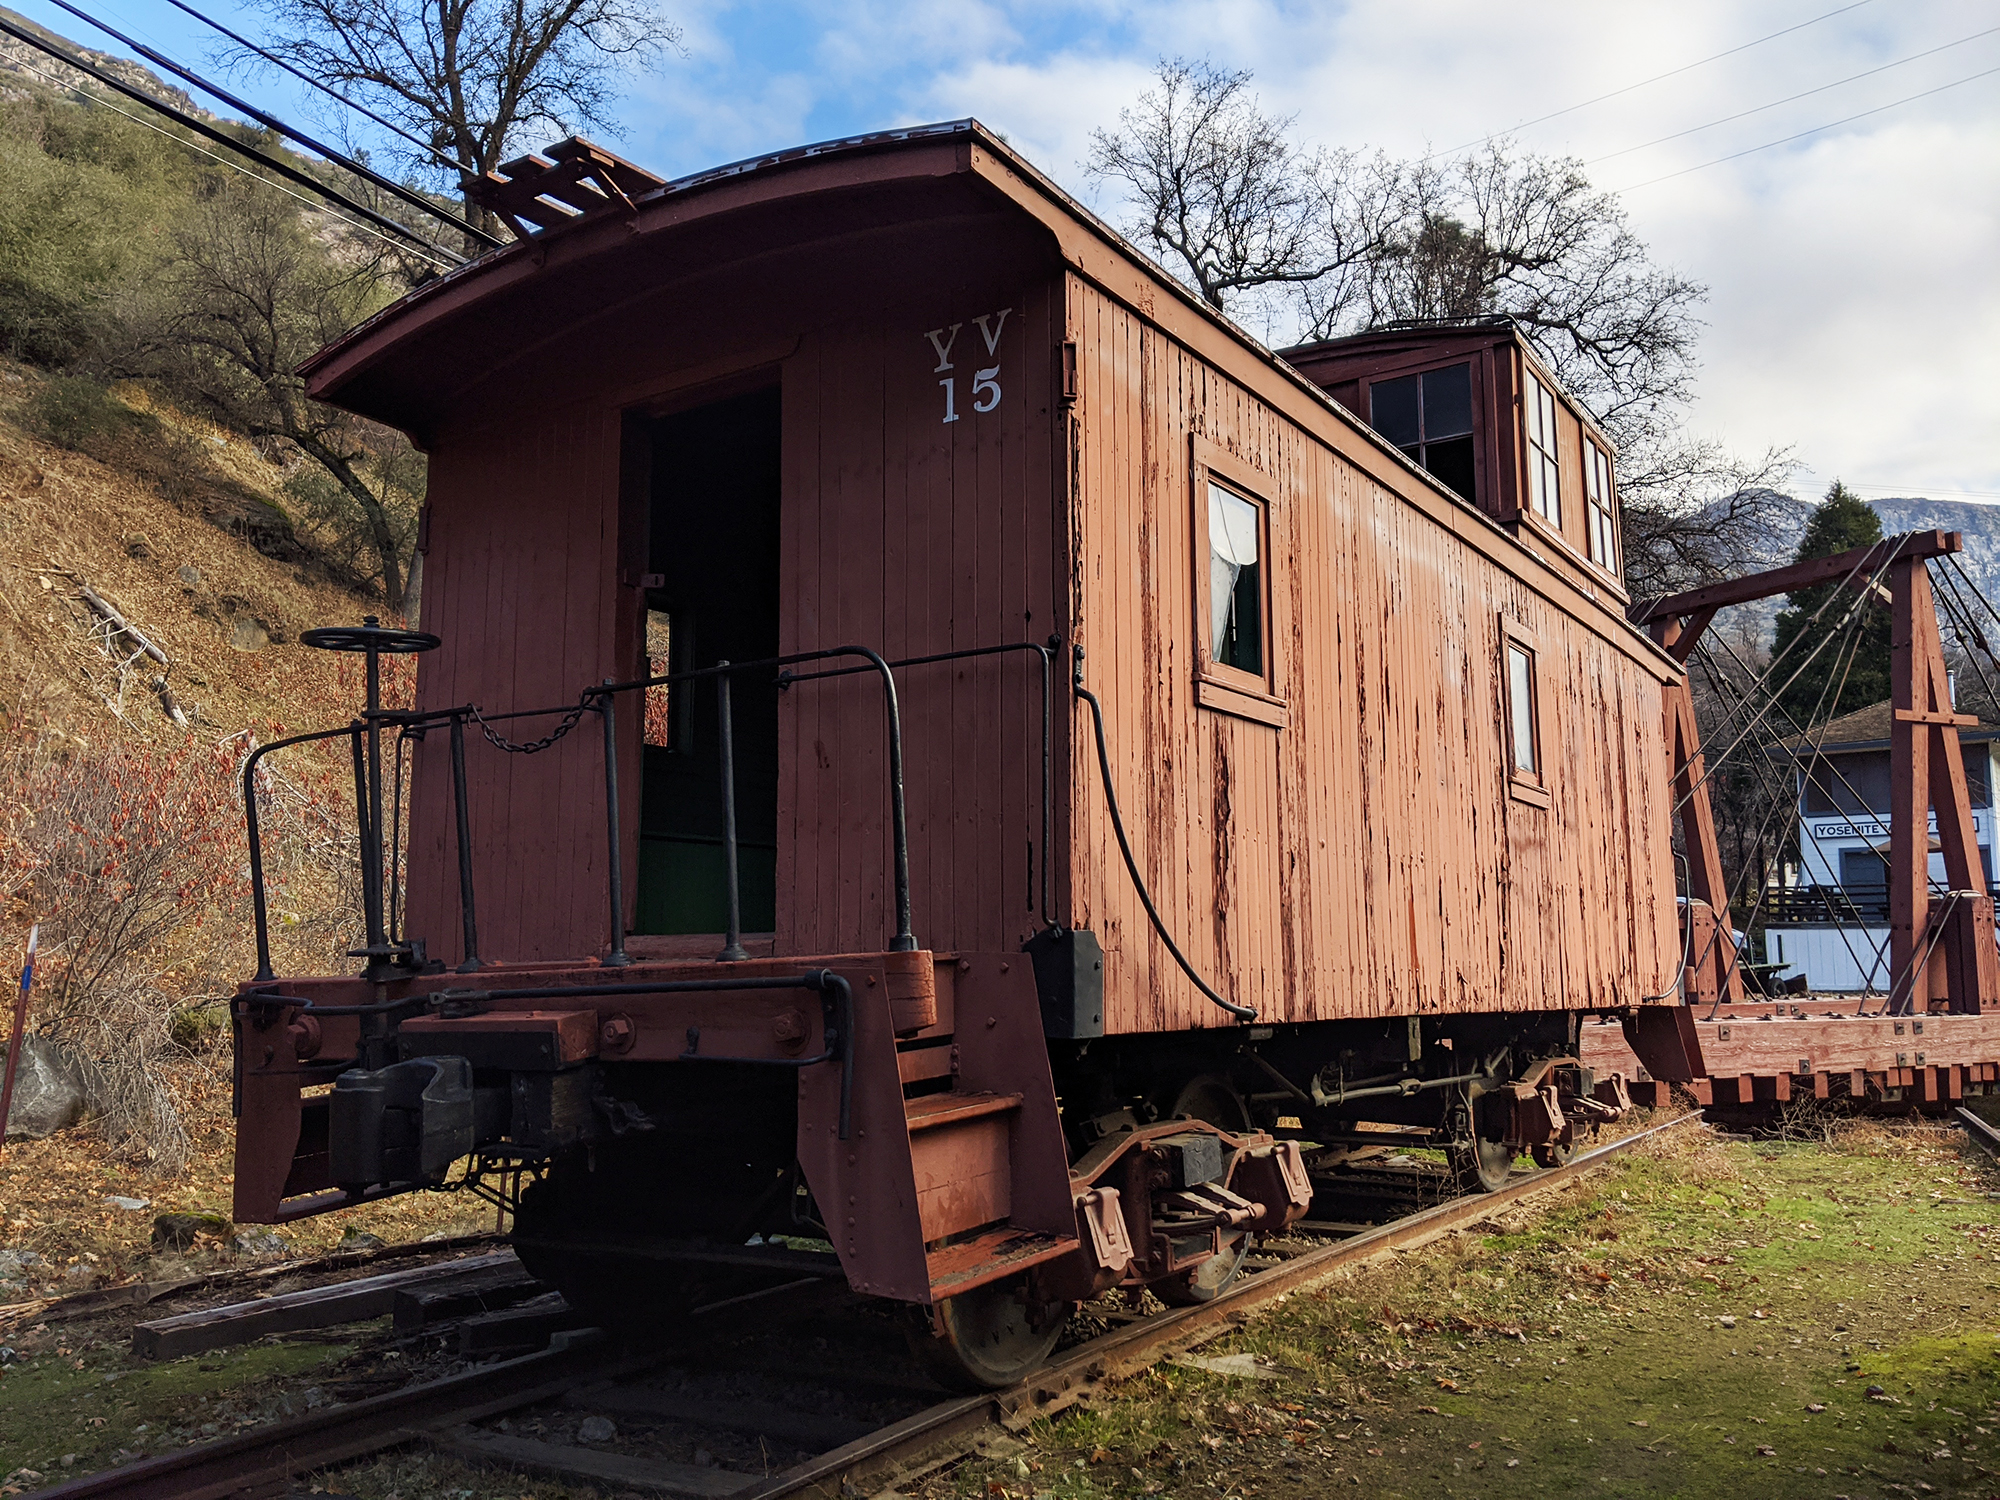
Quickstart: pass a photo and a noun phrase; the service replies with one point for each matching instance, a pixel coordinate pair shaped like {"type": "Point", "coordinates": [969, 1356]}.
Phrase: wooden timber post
{"type": "Point", "coordinates": [1943, 949]}
{"type": "Point", "coordinates": [1713, 970]}
{"type": "Point", "coordinates": [1949, 953]}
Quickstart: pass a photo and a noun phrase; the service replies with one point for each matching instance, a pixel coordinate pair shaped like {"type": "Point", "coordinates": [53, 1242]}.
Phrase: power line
{"type": "Point", "coordinates": [228, 142]}
{"type": "Point", "coordinates": [272, 122]}
{"type": "Point", "coordinates": [92, 99]}
{"type": "Point", "coordinates": [1817, 129]}
{"type": "Point", "coordinates": [360, 109]}
{"type": "Point", "coordinates": [1745, 114]}
{"type": "Point", "coordinates": [1656, 78]}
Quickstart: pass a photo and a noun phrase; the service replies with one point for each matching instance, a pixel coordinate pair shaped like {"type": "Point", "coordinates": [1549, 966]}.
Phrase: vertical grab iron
{"type": "Point", "coordinates": [732, 945]}
{"type": "Point", "coordinates": [458, 794]}
{"type": "Point", "coordinates": [607, 708]}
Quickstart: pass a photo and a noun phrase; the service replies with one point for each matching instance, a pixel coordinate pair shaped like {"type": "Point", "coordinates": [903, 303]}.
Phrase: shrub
{"type": "Point", "coordinates": [74, 411]}
{"type": "Point", "coordinates": [133, 862]}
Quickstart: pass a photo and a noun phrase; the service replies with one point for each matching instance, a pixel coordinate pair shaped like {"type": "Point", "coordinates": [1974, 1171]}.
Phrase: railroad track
{"type": "Point", "coordinates": [878, 1421]}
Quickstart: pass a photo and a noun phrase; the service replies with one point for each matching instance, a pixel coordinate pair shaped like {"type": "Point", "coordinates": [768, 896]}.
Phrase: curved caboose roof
{"type": "Point", "coordinates": [420, 363]}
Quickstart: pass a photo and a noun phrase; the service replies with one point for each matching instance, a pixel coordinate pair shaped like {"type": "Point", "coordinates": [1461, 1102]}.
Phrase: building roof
{"type": "Point", "coordinates": [1867, 729]}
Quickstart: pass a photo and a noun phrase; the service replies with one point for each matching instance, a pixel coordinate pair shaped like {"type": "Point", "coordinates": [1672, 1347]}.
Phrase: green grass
{"type": "Point", "coordinates": [1581, 1349]}
{"type": "Point", "coordinates": [94, 1402]}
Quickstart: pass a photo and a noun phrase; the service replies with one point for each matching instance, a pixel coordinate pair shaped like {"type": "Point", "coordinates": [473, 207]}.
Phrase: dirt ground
{"type": "Point", "coordinates": [1705, 1317]}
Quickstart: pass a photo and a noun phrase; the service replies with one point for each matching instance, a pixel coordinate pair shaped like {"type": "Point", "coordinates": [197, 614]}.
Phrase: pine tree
{"type": "Point", "coordinates": [1840, 523]}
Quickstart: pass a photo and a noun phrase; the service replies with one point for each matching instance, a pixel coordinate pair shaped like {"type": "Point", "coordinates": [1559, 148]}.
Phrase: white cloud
{"type": "Point", "coordinates": [1854, 313]}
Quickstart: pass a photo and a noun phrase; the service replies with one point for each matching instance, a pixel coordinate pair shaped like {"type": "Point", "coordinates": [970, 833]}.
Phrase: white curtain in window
{"type": "Point", "coordinates": [1232, 547]}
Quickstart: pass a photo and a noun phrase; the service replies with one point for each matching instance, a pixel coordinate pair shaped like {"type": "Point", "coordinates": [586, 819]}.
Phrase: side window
{"type": "Point", "coordinates": [1603, 509]}
{"type": "Point", "coordinates": [666, 724]}
{"type": "Point", "coordinates": [1544, 487]}
{"type": "Point", "coordinates": [1521, 708]}
{"type": "Point", "coordinates": [1429, 417]}
{"type": "Point", "coordinates": [659, 662]}
{"type": "Point", "coordinates": [1523, 742]}
{"type": "Point", "coordinates": [1235, 581]}
{"type": "Point", "coordinates": [1235, 649]}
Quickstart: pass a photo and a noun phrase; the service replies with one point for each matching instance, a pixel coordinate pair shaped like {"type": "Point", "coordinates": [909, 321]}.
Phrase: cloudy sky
{"type": "Point", "coordinates": [1855, 309]}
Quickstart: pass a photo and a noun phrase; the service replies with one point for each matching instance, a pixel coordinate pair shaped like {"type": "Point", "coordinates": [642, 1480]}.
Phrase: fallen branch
{"type": "Point", "coordinates": [118, 622]}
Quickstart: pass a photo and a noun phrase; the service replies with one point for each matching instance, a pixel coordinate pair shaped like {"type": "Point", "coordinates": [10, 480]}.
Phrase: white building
{"type": "Point", "coordinates": [1831, 923]}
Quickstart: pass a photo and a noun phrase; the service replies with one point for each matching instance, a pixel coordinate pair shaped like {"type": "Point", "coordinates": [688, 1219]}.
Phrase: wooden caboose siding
{"type": "Point", "coordinates": [916, 536]}
{"type": "Point", "coordinates": [898, 532]}
{"type": "Point", "coordinates": [519, 586]}
{"type": "Point", "coordinates": [1365, 859]}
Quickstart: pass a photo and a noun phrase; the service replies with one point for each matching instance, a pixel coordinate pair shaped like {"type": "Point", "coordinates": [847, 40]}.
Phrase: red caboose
{"type": "Point", "coordinates": [1000, 757]}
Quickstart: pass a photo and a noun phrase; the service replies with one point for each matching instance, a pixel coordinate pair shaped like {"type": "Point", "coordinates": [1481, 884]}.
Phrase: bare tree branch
{"type": "Point", "coordinates": [472, 77]}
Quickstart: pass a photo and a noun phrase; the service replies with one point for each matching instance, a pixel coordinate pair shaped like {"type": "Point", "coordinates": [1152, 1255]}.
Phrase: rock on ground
{"type": "Point", "coordinates": [47, 1095]}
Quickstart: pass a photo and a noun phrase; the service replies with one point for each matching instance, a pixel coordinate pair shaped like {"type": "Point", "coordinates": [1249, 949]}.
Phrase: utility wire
{"type": "Point", "coordinates": [272, 122]}
{"type": "Point", "coordinates": [1806, 770]}
{"type": "Point", "coordinates": [1817, 129]}
{"type": "Point", "coordinates": [221, 138]}
{"type": "Point", "coordinates": [1656, 78]}
{"type": "Point", "coordinates": [1790, 99]}
{"type": "Point", "coordinates": [1860, 598]}
{"type": "Point", "coordinates": [1797, 640]}
{"type": "Point", "coordinates": [360, 109]}
{"type": "Point", "coordinates": [238, 168]}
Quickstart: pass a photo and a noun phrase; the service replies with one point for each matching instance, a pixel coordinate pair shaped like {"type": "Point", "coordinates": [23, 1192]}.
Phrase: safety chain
{"type": "Point", "coordinates": [531, 747]}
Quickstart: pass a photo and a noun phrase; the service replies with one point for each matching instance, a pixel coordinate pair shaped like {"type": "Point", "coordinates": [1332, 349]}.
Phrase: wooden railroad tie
{"type": "Point", "coordinates": [315, 1307]}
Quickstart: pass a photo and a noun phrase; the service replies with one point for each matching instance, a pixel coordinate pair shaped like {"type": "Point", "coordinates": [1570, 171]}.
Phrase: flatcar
{"type": "Point", "coordinates": [940, 761]}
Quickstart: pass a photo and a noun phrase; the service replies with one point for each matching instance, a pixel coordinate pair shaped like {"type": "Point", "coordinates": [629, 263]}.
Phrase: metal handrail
{"type": "Point", "coordinates": [601, 699]}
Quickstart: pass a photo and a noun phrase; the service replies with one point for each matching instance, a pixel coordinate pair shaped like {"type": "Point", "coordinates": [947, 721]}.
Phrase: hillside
{"type": "Point", "coordinates": [1788, 516]}
{"type": "Point", "coordinates": [187, 571]}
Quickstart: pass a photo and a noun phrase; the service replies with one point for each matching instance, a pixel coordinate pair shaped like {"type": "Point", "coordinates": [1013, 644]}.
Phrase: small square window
{"type": "Point", "coordinates": [1597, 499]}
{"type": "Point", "coordinates": [1235, 582]}
{"type": "Point", "coordinates": [1523, 741]}
{"type": "Point", "coordinates": [1544, 472]}
{"type": "Point", "coordinates": [1429, 417]}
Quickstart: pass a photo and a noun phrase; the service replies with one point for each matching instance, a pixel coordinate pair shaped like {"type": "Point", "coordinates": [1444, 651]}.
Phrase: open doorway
{"type": "Point", "coordinates": [713, 542]}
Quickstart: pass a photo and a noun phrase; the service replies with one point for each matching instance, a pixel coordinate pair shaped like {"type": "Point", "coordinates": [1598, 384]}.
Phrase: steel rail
{"type": "Point", "coordinates": [254, 1461]}
{"type": "Point", "coordinates": [1139, 1345]}
{"type": "Point", "coordinates": [1985, 1135]}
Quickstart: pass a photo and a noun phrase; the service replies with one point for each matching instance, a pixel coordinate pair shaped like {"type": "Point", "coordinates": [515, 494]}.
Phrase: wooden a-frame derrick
{"type": "Point", "coordinates": [1942, 949]}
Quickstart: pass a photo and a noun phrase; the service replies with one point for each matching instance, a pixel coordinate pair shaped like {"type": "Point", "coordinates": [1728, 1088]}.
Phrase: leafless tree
{"type": "Point", "coordinates": [247, 293]}
{"type": "Point", "coordinates": [1336, 243]}
{"type": "Point", "coordinates": [471, 77]}
{"type": "Point", "coordinates": [1694, 513]}
{"type": "Point", "coordinates": [1218, 185]}
{"type": "Point", "coordinates": [1499, 231]}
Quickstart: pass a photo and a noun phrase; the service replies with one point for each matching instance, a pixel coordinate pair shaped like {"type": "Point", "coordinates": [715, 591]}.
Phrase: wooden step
{"type": "Point", "coordinates": [990, 1255]}
{"type": "Point", "coordinates": [930, 1111]}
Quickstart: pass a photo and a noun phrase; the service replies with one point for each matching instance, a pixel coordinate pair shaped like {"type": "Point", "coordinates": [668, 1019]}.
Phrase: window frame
{"type": "Point", "coordinates": [1227, 689]}
{"type": "Point", "coordinates": [1474, 434]}
{"type": "Point", "coordinates": [1600, 504]}
{"type": "Point", "coordinates": [1522, 786]}
{"type": "Point", "coordinates": [1538, 402]}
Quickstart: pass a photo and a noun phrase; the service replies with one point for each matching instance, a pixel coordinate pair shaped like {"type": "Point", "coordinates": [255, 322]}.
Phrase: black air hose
{"type": "Point", "coordinates": [1241, 1012]}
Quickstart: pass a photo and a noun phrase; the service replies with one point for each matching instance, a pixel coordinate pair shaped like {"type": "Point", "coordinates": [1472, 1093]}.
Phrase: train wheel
{"type": "Point", "coordinates": [1481, 1165]}
{"type": "Point", "coordinates": [1554, 1154]}
{"type": "Point", "coordinates": [987, 1338]}
{"type": "Point", "coordinates": [1208, 1279]}
{"type": "Point", "coordinates": [1212, 1098]}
